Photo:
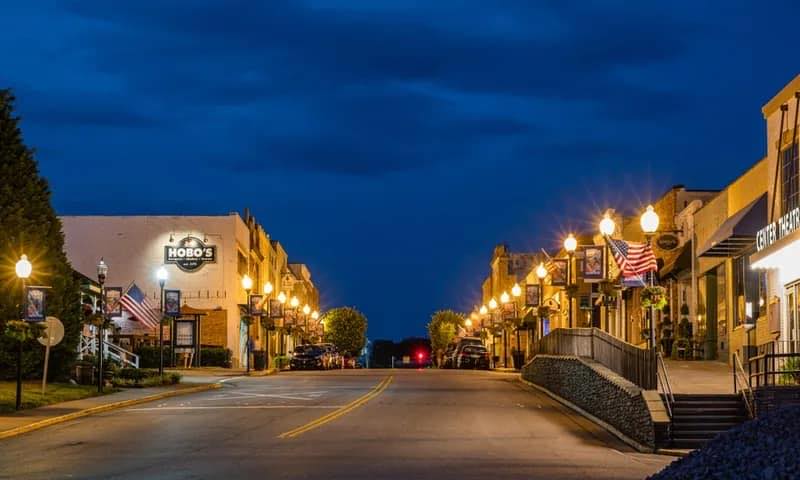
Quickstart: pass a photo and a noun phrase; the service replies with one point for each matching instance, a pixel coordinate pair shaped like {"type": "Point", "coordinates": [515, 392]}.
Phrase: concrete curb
{"type": "Point", "coordinates": [610, 429]}
{"type": "Point", "coordinates": [673, 452]}
{"type": "Point", "coordinates": [104, 408]}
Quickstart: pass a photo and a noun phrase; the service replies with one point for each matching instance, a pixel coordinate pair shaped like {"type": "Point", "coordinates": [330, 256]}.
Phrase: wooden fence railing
{"type": "Point", "coordinates": [631, 362]}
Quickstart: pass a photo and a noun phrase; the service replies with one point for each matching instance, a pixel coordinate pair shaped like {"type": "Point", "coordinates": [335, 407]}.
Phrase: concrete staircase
{"type": "Point", "coordinates": [697, 418]}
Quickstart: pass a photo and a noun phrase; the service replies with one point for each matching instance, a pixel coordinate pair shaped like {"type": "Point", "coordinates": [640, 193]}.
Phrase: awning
{"type": "Point", "coordinates": [680, 262]}
{"type": "Point", "coordinates": [738, 233]}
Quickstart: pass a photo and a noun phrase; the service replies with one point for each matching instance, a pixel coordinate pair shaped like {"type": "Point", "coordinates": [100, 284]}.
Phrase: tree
{"type": "Point", "coordinates": [346, 328]}
{"type": "Point", "coordinates": [29, 225]}
{"type": "Point", "coordinates": [441, 330]}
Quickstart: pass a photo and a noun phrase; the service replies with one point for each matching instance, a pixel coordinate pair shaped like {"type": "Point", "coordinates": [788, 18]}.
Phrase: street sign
{"type": "Point", "coordinates": [53, 332]}
{"type": "Point", "coordinates": [668, 241]}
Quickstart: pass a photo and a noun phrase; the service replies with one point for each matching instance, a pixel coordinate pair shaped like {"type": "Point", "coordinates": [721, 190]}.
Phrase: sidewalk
{"type": "Point", "coordinates": [699, 376]}
{"type": "Point", "coordinates": [35, 418]}
{"type": "Point", "coordinates": [216, 374]}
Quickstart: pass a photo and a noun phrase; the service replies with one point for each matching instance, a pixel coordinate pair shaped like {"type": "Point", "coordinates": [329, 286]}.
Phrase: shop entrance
{"type": "Point", "coordinates": [792, 294]}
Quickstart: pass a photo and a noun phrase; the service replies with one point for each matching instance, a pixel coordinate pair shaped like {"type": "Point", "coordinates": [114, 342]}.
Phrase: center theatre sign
{"type": "Point", "coordinates": [190, 254]}
{"type": "Point", "coordinates": [777, 230]}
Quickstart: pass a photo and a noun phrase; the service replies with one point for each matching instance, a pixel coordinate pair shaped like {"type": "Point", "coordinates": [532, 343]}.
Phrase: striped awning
{"type": "Point", "coordinates": [738, 233]}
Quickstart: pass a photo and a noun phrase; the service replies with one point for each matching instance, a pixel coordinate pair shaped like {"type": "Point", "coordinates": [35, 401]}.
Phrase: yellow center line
{"type": "Point", "coordinates": [380, 387]}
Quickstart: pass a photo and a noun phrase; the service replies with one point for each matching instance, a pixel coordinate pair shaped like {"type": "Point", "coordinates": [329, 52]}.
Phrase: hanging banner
{"type": "Point", "coordinates": [113, 304]}
{"type": "Point", "coordinates": [532, 294]}
{"type": "Point", "coordinates": [35, 304]}
{"type": "Point", "coordinates": [558, 272]}
{"type": "Point", "coordinates": [172, 303]}
{"type": "Point", "coordinates": [592, 264]}
{"type": "Point", "coordinates": [256, 304]}
{"type": "Point", "coordinates": [275, 308]}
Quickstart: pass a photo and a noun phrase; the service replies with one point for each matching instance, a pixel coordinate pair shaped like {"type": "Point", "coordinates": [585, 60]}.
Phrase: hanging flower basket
{"type": "Point", "coordinates": [655, 297]}
{"type": "Point", "coordinates": [571, 290]}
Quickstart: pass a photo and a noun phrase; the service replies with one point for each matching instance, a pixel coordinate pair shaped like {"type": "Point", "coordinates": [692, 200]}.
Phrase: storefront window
{"type": "Point", "coordinates": [790, 179]}
{"type": "Point", "coordinates": [746, 291]}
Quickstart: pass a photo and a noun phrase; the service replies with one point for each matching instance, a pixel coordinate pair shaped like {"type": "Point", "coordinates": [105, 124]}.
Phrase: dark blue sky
{"type": "Point", "coordinates": [389, 145]}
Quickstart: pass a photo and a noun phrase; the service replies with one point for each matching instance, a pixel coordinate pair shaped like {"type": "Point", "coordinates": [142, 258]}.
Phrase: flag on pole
{"type": "Point", "coordinates": [634, 260]}
{"type": "Point", "coordinates": [138, 305]}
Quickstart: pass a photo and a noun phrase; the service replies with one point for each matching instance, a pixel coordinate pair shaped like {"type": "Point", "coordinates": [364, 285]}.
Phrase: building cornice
{"type": "Point", "coordinates": [782, 97]}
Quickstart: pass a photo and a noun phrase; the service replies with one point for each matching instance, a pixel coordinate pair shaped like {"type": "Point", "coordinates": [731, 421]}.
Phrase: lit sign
{"type": "Point", "coordinates": [777, 230]}
{"type": "Point", "coordinates": [190, 254]}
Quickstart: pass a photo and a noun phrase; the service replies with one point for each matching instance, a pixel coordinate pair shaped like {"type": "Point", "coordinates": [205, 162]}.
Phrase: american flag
{"type": "Point", "coordinates": [138, 305]}
{"type": "Point", "coordinates": [634, 259]}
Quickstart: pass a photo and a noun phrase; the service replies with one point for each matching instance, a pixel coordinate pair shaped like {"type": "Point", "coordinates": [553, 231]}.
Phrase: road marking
{"type": "Point", "coordinates": [234, 407]}
{"type": "Point", "coordinates": [231, 378]}
{"type": "Point", "coordinates": [380, 387]}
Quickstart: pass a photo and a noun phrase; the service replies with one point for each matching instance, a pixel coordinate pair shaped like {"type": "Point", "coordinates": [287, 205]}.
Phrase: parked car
{"type": "Point", "coordinates": [331, 356]}
{"type": "Point", "coordinates": [307, 357]}
{"type": "Point", "coordinates": [473, 356]}
{"type": "Point", "coordinates": [455, 347]}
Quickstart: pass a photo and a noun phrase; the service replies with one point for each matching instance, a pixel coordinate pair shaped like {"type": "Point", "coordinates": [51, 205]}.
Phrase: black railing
{"type": "Point", "coordinates": [635, 364]}
{"type": "Point", "coordinates": [769, 369]}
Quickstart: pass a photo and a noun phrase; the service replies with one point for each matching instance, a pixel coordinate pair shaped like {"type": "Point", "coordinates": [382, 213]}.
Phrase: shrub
{"type": "Point", "coordinates": [281, 361]}
{"type": "Point", "coordinates": [791, 367]}
{"type": "Point", "coordinates": [149, 356]}
{"type": "Point", "coordinates": [143, 377]}
{"type": "Point", "coordinates": [215, 357]}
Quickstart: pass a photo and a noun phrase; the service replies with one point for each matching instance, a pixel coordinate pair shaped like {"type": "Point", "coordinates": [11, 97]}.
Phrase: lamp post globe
{"type": "Point", "coordinates": [541, 271]}
{"type": "Point", "coordinates": [282, 297]}
{"type": "Point", "coordinates": [294, 302]}
{"type": "Point", "coordinates": [162, 275]}
{"type": "Point", "coordinates": [23, 267]}
{"type": "Point", "coordinates": [492, 304]}
{"type": "Point", "coordinates": [570, 244]}
{"type": "Point", "coordinates": [607, 226]}
{"type": "Point", "coordinates": [504, 298]}
{"type": "Point", "coordinates": [468, 323]}
{"type": "Point", "coordinates": [483, 310]}
{"type": "Point", "coordinates": [306, 309]}
{"type": "Point", "coordinates": [268, 288]}
{"type": "Point", "coordinates": [649, 221]}
{"type": "Point", "coordinates": [247, 283]}
{"type": "Point", "coordinates": [516, 290]}
{"type": "Point", "coordinates": [315, 315]}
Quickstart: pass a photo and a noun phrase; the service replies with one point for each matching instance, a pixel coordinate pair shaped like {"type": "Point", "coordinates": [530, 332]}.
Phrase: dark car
{"type": "Point", "coordinates": [473, 356]}
{"type": "Point", "coordinates": [307, 357]}
{"type": "Point", "coordinates": [455, 347]}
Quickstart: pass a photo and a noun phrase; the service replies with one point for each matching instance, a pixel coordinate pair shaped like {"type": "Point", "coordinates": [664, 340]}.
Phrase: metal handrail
{"type": "Point", "coordinates": [664, 384]}
{"type": "Point", "coordinates": [88, 345]}
{"type": "Point", "coordinates": [740, 376]}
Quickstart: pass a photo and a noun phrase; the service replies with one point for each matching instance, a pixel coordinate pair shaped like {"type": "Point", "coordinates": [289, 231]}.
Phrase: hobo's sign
{"type": "Point", "coordinates": [190, 254]}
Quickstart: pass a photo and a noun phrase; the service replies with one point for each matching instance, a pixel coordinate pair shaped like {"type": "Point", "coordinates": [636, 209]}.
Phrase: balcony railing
{"type": "Point", "coordinates": [629, 361]}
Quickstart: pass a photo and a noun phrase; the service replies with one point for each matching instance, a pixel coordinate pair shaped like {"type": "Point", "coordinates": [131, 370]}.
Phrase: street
{"type": "Point", "coordinates": [407, 424]}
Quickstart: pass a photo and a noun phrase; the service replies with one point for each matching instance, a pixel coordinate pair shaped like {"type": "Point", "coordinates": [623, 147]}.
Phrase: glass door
{"type": "Point", "coordinates": [792, 307]}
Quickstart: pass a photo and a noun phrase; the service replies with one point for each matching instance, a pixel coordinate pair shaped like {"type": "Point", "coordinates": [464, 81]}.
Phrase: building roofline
{"type": "Point", "coordinates": [786, 93]}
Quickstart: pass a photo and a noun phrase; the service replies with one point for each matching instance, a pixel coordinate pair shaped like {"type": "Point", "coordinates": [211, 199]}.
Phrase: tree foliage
{"type": "Point", "coordinates": [346, 328]}
{"type": "Point", "coordinates": [442, 329]}
{"type": "Point", "coordinates": [29, 225]}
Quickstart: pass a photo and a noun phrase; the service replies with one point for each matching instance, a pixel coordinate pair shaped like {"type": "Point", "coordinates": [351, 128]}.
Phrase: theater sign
{"type": "Point", "coordinates": [190, 254]}
{"type": "Point", "coordinates": [775, 231]}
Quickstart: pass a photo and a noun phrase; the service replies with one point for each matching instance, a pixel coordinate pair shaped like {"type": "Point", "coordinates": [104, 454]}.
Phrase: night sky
{"type": "Point", "coordinates": [389, 145]}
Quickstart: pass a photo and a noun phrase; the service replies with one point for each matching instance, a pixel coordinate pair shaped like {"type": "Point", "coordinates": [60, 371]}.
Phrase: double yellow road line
{"type": "Point", "coordinates": [383, 385]}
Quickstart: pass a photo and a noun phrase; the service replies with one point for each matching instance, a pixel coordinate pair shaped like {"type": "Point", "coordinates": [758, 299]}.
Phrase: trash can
{"type": "Point", "coordinates": [519, 360]}
{"type": "Point", "coordinates": [259, 359]}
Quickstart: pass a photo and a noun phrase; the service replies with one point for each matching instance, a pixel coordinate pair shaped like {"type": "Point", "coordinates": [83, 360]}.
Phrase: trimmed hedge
{"type": "Point", "coordinates": [215, 357]}
{"type": "Point", "coordinates": [209, 356]}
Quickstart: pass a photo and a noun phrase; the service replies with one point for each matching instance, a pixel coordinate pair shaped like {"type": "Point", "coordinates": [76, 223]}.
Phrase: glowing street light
{"type": "Point", "coordinates": [504, 298]}
{"type": "Point", "coordinates": [306, 309]}
{"type": "Point", "coordinates": [294, 302]}
{"type": "Point", "coordinates": [282, 297]}
{"type": "Point", "coordinates": [23, 267]}
{"type": "Point", "coordinates": [483, 310]}
{"type": "Point", "coordinates": [247, 283]}
{"type": "Point", "coordinates": [516, 290]}
{"type": "Point", "coordinates": [541, 271]}
{"type": "Point", "coordinates": [315, 315]}
{"type": "Point", "coordinates": [268, 288]}
{"type": "Point", "coordinates": [492, 304]}
{"type": "Point", "coordinates": [649, 221]}
{"type": "Point", "coordinates": [607, 225]}
{"type": "Point", "coordinates": [570, 244]}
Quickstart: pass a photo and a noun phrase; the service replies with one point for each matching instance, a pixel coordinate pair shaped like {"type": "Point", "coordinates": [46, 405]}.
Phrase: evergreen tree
{"type": "Point", "coordinates": [29, 225]}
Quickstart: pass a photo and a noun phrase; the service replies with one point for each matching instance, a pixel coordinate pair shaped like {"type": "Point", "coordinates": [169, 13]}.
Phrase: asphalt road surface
{"type": "Point", "coordinates": [361, 424]}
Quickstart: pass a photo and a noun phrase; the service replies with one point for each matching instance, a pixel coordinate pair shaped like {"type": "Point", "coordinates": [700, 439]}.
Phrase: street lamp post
{"type": "Point", "coordinates": [247, 284]}
{"type": "Point", "coordinates": [504, 299]}
{"type": "Point", "coordinates": [306, 313]}
{"type": "Point", "coordinates": [23, 270]}
{"type": "Point", "coordinates": [102, 272]}
{"type": "Point", "coordinates": [607, 228]}
{"type": "Point", "coordinates": [541, 273]}
{"type": "Point", "coordinates": [161, 275]}
{"type": "Point", "coordinates": [267, 289]}
{"type": "Point", "coordinates": [282, 339]}
{"type": "Point", "coordinates": [516, 292]}
{"type": "Point", "coordinates": [492, 308]}
{"type": "Point", "coordinates": [294, 302]}
{"type": "Point", "coordinates": [570, 244]}
{"type": "Point", "coordinates": [649, 223]}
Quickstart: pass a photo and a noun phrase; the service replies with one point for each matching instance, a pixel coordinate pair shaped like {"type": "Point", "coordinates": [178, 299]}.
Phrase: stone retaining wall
{"type": "Point", "coordinates": [774, 397]}
{"type": "Point", "coordinates": [597, 390]}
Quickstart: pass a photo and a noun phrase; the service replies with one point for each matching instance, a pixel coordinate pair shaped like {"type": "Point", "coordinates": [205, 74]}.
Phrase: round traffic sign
{"type": "Point", "coordinates": [53, 333]}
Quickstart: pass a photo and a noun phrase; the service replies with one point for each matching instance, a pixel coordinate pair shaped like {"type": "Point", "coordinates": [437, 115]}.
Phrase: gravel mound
{"type": "Point", "coordinates": [767, 448]}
